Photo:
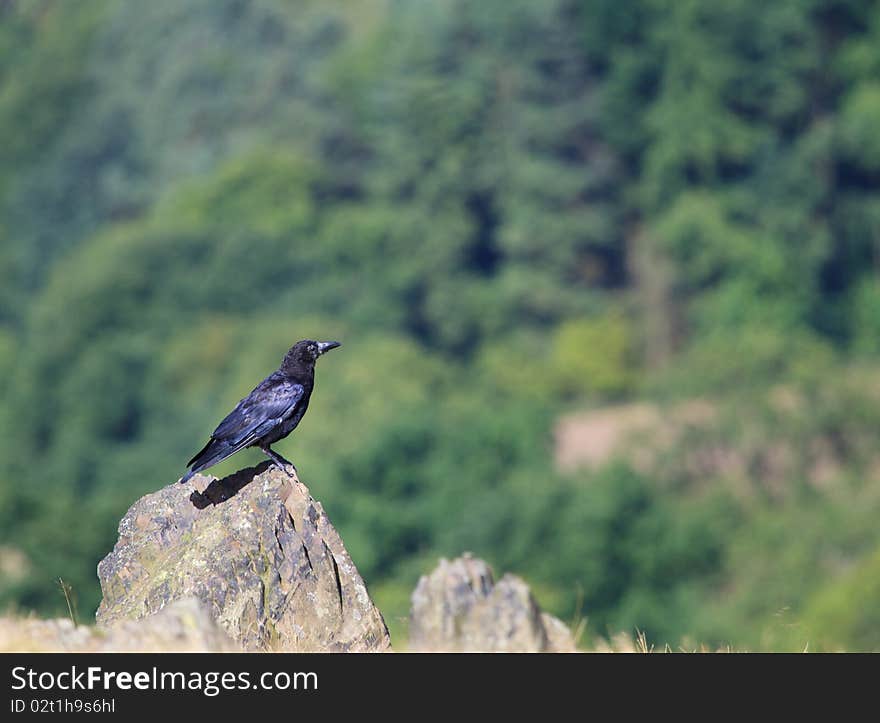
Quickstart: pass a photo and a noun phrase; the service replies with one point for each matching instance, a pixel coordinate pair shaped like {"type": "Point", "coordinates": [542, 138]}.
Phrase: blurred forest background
{"type": "Point", "coordinates": [605, 274]}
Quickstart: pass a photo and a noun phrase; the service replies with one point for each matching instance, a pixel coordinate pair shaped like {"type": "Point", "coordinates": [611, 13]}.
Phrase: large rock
{"type": "Point", "coordinates": [459, 607]}
{"type": "Point", "coordinates": [257, 550]}
{"type": "Point", "coordinates": [183, 626]}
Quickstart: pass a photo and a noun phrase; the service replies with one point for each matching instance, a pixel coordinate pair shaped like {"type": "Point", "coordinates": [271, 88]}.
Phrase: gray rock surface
{"type": "Point", "coordinates": [183, 626]}
{"type": "Point", "coordinates": [459, 607]}
{"type": "Point", "coordinates": [257, 550]}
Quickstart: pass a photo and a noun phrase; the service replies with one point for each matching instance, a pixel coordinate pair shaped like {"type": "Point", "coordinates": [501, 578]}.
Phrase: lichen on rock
{"type": "Point", "coordinates": [460, 607]}
{"type": "Point", "coordinates": [184, 626]}
{"type": "Point", "coordinates": [257, 550]}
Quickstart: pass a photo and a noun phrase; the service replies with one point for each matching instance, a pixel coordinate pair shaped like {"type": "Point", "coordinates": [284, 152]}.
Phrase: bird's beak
{"type": "Point", "coordinates": [325, 346]}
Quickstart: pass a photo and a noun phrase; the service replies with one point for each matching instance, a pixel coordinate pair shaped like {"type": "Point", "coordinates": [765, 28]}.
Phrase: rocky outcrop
{"type": "Point", "coordinates": [257, 550]}
{"type": "Point", "coordinates": [184, 626]}
{"type": "Point", "coordinates": [459, 607]}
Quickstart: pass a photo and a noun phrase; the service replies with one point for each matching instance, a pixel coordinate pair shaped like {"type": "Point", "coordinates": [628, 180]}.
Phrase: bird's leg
{"type": "Point", "coordinates": [279, 461]}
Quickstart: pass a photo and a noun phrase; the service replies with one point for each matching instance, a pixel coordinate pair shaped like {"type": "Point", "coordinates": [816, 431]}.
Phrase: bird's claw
{"type": "Point", "coordinates": [283, 465]}
{"type": "Point", "coordinates": [288, 469]}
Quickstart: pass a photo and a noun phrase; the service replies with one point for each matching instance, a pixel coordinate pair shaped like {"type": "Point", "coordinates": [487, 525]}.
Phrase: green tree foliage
{"type": "Point", "coordinates": [594, 355]}
{"type": "Point", "coordinates": [504, 209]}
{"type": "Point", "coordinates": [834, 623]}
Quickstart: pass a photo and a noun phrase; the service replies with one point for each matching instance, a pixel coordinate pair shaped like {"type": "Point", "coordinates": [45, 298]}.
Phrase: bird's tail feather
{"type": "Point", "coordinates": [213, 452]}
{"type": "Point", "coordinates": [203, 452]}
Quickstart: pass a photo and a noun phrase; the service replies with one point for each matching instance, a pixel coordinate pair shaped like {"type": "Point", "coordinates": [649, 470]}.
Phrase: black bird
{"type": "Point", "coordinates": [269, 413]}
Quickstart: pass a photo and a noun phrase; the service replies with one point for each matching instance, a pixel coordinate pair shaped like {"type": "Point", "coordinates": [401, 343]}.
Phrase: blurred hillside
{"type": "Point", "coordinates": [510, 213]}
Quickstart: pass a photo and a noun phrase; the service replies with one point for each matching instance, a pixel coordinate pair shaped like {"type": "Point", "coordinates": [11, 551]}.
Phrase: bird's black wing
{"type": "Point", "coordinates": [272, 401]}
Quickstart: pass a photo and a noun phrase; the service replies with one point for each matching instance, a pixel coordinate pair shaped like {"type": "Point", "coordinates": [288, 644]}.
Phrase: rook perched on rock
{"type": "Point", "coordinates": [269, 413]}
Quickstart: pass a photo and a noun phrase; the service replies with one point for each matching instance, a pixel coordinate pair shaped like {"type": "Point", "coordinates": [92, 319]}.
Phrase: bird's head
{"type": "Point", "coordinates": [306, 352]}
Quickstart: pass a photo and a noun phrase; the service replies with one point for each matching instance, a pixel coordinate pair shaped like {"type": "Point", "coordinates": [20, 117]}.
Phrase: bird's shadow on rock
{"type": "Point", "coordinates": [220, 490]}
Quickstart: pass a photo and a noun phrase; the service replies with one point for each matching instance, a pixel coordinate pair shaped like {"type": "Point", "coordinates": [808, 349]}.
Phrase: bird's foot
{"type": "Point", "coordinates": [284, 465]}
{"type": "Point", "coordinates": [287, 468]}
